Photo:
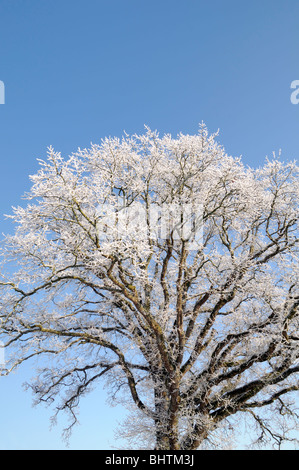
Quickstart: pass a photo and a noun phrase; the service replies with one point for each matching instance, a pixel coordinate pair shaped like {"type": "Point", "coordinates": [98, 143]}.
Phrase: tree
{"type": "Point", "coordinates": [170, 269]}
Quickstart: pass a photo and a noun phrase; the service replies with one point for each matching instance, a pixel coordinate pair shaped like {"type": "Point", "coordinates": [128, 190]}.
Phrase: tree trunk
{"type": "Point", "coordinates": [166, 422]}
{"type": "Point", "coordinates": [161, 405]}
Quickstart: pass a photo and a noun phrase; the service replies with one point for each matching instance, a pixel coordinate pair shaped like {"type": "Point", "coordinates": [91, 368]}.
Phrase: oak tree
{"type": "Point", "coordinates": [168, 268]}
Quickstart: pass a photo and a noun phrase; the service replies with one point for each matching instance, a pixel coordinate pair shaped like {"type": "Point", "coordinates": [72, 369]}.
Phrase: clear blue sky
{"type": "Point", "coordinates": [79, 70]}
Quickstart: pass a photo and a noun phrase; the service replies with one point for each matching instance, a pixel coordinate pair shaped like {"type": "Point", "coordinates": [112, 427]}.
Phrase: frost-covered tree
{"type": "Point", "coordinates": [169, 268]}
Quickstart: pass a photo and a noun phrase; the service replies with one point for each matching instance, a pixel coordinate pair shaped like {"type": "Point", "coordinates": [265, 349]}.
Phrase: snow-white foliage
{"type": "Point", "coordinates": [194, 334]}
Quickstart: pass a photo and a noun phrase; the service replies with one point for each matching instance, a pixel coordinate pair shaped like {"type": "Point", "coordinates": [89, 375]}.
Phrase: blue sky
{"type": "Point", "coordinates": [76, 71]}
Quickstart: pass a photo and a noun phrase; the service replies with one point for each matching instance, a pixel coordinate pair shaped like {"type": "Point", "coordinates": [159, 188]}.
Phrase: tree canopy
{"type": "Point", "coordinates": [168, 268]}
